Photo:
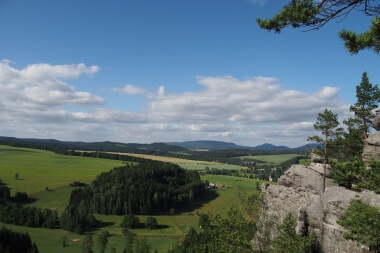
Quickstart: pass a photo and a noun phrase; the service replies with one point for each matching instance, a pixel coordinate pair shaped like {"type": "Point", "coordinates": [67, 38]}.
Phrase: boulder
{"type": "Point", "coordinates": [299, 191]}
{"type": "Point", "coordinates": [309, 177]}
{"type": "Point", "coordinates": [371, 148]}
{"type": "Point", "coordinates": [315, 158]}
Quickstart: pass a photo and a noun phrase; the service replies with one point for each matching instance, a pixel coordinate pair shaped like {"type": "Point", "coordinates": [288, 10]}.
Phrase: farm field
{"type": "Point", "coordinates": [57, 171]}
{"type": "Point", "coordinates": [188, 164]}
{"type": "Point", "coordinates": [49, 240]}
{"type": "Point", "coordinates": [172, 228]}
{"type": "Point", "coordinates": [272, 159]}
{"type": "Point", "coordinates": [38, 169]}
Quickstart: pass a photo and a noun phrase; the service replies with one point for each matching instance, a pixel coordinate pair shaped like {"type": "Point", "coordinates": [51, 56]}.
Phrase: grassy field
{"type": "Point", "coordinates": [49, 240]}
{"type": "Point", "coordinates": [38, 169]}
{"type": "Point", "coordinates": [188, 164]}
{"type": "Point", "coordinates": [272, 159]}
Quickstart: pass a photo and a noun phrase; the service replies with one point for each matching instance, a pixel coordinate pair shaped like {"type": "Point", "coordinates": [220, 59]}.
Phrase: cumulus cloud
{"type": "Point", "coordinates": [250, 111]}
{"type": "Point", "coordinates": [257, 100]}
{"type": "Point", "coordinates": [40, 73]}
{"type": "Point", "coordinates": [40, 84]}
{"type": "Point", "coordinates": [130, 90]}
{"type": "Point", "coordinates": [161, 91]}
{"type": "Point", "coordinates": [38, 93]}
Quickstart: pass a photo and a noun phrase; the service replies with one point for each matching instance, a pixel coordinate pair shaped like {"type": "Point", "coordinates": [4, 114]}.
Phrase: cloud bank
{"type": "Point", "coordinates": [34, 102]}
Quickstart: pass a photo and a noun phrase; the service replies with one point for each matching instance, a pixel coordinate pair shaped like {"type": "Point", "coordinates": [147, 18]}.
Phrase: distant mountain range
{"type": "Point", "coordinates": [201, 145]}
{"type": "Point", "coordinates": [215, 145]}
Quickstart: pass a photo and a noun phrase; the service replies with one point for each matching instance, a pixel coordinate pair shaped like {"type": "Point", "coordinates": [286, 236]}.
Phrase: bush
{"type": "Point", "coordinates": [77, 184]}
{"type": "Point", "coordinates": [363, 223]}
{"type": "Point", "coordinates": [355, 173]}
{"type": "Point", "coordinates": [289, 241]}
{"type": "Point", "coordinates": [151, 222]}
{"type": "Point", "coordinates": [204, 221]}
{"type": "Point", "coordinates": [130, 221]}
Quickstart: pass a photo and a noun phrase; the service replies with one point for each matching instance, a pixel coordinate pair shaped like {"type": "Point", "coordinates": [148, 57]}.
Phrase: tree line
{"type": "Point", "coordinates": [100, 150]}
{"type": "Point", "coordinates": [12, 212]}
{"type": "Point", "coordinates": [11, 241]}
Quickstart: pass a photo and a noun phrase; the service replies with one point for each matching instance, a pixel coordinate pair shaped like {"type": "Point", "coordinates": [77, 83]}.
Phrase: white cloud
{"type": "Point", "coordinates": [130, 90]}
{"type": "Point", "coordinates": [328, 92]}
{"type": "Point", "coordinates": [35, 101]}
{"type": "Point", "coordinates": [39, 85]}
{"type": "Point", "coordinates": [220, 134]}
{"type": "Point", "coordinates": [252, 101]}
{"type": "Point", "coordinates": [161, 91]}
{"type": "Point", "coordinates": [37, 92]}
{"type": "Point", "coordinates": [42, 72]}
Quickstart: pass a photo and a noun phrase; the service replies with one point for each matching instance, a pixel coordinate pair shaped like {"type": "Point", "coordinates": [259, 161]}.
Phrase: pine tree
{"type": "Point", "coordinates": [368, 97]}
{"type": "Point", "coordinates": [315, 14]}
{"type": "Point", "coordinates": [353, 140]}
{"type": "Point", "coordinates": [142, 246]}
{"type": "Point", "coordinates": [362, 222]}
{"type": "Point", "coordinates": [367, 40]}
{"type": "Point", "coordinates": [129, 239]}
{"type": "Point", "coordinates": [289, 240]}
{"type": "Point", "coordinates": [327, 123]}
{"type": "Point", "coordinates": [102, 239]}
{"type": "Point", "coordinates": [87, 244]}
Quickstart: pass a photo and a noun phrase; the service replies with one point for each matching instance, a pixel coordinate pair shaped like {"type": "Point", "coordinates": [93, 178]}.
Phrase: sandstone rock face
{"type": "Point", "coordinates": [310, 177]}
{"type": "Point", "coordinates": [371, 147]}
{"type": "Point", "coordinates": [299, 192]}
{"type": "Point", "coordinates": [376, 121]}
{"type": "Point", "coordinates": [315, 158]}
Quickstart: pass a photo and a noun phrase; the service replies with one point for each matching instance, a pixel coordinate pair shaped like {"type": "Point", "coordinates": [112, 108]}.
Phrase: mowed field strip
{"type": "Point", "coordinates": [184, 163]}
{"type": "Point", "coordinates": [272, 159]}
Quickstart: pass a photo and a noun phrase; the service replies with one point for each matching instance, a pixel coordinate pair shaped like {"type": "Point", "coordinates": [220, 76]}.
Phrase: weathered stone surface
{"type": "Point", "coordinates": [376, 120]}
{"type": "Point", "coordinates": [315, 212]}
{"type": "Point", "coordinates": [371, 149]}
{"type": "Point", "coordinates": [310, 177]}
{"type": "Point", "coordinates": [373, 139]}
{"type": "Point", "coordinates": [315, 158]}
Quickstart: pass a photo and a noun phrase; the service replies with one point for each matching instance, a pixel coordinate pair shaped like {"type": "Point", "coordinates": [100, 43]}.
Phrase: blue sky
{"type": "Point", "coordinates": [156, 71]}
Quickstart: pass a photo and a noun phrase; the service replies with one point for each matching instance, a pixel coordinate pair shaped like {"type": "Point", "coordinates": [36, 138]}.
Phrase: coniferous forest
{"type": "Point", "coordinates": [150, 187]}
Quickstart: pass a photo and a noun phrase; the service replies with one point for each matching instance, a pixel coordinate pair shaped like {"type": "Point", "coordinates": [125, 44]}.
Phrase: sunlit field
{"type": "Point", "coordinates": [272, 159]}
{"type": "Point", "coordinates": [39, 169]}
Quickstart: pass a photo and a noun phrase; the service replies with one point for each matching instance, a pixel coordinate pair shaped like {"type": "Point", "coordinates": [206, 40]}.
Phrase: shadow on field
{"type": "Point", "coordinates": [27, 201]}
{"type": "Point", "coordinates": [161, 226]}
{"type": "Point", "coordinates": [209, 196]}
{"type": "Point", "coordinates": [103, 224]}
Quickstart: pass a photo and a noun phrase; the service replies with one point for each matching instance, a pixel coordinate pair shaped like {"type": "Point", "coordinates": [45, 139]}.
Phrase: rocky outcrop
{"type": "Point", "coordinates": [299, 191]}
{"type": "Point", "coordinates": [371, 149]}
{"type": "Point", "coordinates": [315, 158]}
{"type": "Point", "coordinates": [310, 177]}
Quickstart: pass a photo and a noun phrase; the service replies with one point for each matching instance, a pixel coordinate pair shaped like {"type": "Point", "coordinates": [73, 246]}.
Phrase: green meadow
{"type": "Point", "coordinates": [189, 164]}
{"type": "Point", "coordinates": [38, 169]}
{"type": "Point", "coordinates": [272, 159]}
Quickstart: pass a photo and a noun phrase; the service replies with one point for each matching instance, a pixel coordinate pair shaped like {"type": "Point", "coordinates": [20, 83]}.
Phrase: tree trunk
{"type": "Point", "coordinates": [325, 165]}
